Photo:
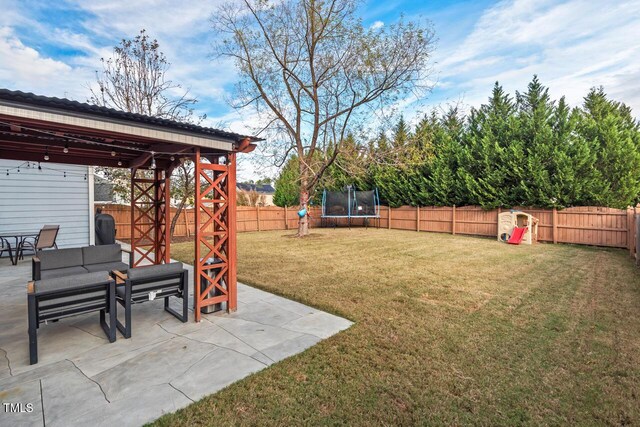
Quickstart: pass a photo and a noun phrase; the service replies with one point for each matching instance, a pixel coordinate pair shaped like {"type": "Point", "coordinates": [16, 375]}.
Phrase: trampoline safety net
{"type": "Point", "coordinates": [350, 204]}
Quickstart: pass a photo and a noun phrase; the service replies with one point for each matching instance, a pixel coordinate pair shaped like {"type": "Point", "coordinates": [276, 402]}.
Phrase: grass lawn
{"type": "Point", "coordinates": [448, 330]}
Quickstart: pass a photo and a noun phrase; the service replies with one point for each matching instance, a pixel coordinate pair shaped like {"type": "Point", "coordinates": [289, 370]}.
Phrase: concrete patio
{"type": "Point", "coordinates": [83, 379]}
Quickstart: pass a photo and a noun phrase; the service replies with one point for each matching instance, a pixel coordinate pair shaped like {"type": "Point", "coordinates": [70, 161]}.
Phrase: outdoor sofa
{"type": "Point", "coordinates": [69, 282]}
{"type": "Point", "coordinates": [71, 261]}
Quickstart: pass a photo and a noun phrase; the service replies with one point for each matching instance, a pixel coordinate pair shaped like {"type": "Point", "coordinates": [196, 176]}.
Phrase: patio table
{"type": "Point", "coordinates": [19, 237]}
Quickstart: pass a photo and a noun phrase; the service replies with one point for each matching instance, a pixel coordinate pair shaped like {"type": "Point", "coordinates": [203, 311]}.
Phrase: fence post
{"type": "Point", "coordinates": [630, 232]}
{"type": "Point", "coordinates": [555, 225]}
{"type": "Point", "coordinates": [186, 221]}
{"type": "Point", "coordinates": [498, 221]}
{"type": "Point", "coordinates": [417, 218]}
{"type": "Point", "coordinates": [637, 240]}
{"type": "Point", "coordinates": [389, 219]}
{"type": "Point", "coordinates": [258, 216]}
{"type": "Point", "coordinates": [286, 218]}
{"type": "Point", "coordinates": [453, 220]}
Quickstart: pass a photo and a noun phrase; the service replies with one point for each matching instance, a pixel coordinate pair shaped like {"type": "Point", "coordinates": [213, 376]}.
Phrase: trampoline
{"type": "Point", "coordinates": [349, 204]}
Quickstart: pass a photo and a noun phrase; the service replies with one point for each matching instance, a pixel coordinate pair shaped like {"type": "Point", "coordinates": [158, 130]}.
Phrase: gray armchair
{"type": "Point", "coordinates": [54, 299]}
{"type": "Point", "coordinates": [144, 284]}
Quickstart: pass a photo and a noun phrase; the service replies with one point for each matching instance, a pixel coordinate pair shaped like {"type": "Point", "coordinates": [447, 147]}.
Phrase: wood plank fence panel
{"type": "Point", "coordinates": [584, 225]}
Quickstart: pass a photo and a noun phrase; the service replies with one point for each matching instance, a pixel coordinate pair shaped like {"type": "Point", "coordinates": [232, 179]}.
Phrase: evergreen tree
{"type": "Point", "coordinates": [535, 134]}
{"type": "Point", "coordinates": [287, 187]}
{"type": "Point", "coordinates": [443, 171]}
{"type": "Point", "coordinates": [487, 171]}
{"type": "Point", "coordinates": [614, 132]}
{"type": "Point", "coordinates": [528, 152]}
{"type": "Point", "coordinates": [573, 173]}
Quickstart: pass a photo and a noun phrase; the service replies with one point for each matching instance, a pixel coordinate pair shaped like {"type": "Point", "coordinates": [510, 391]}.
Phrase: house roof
{"type": "Point", "coordinates": [259, 188]}
{"type": "Point", "coordinates": [34, 127]}
{"type": "Point", "coordinates": [63, 104]}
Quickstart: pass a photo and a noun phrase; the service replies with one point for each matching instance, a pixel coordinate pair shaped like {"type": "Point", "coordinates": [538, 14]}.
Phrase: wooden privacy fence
{"type": "Point", "coordinates": [587, 225]}
{"type": "Point", "coordinates": [584, 225]}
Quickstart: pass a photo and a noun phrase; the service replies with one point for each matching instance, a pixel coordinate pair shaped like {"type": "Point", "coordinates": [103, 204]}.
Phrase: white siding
{"type": "Point", "coordinates": [31, 198]}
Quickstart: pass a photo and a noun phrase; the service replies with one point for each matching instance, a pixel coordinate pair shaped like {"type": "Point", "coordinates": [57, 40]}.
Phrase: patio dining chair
{"type": "Point", "coordinates": [5, 246]}
{"type": "Point", "coordinates": [46, 239]}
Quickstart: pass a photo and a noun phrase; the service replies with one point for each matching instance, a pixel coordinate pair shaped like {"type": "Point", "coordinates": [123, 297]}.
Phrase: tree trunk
{"type": "Point", "coordinates": [303, 222]}
{"type": "Point", "coordinates": [174, 220]}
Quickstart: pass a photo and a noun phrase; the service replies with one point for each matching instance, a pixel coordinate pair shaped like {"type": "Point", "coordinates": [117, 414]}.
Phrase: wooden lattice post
{"type": "Point", "coordinates": [150, 216]}
{"type": "Point", "coordinates": [215, 232]}
{"type": "Point", "coordinates": [162, 216]}
{"type": "Point", "coordinates": [232, 304]}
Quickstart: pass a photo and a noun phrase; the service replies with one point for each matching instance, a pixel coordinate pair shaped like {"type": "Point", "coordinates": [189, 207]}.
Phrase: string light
{"type": "Point", "coordinates": [46, 154]}
{"type": "Point", "coordinates": [32, 165]}
{"type": "Point", "coordinates": [173, 158]}
{"type": "Point", "coordinates": [153, 160]}
{"type": "Point", "coordinates": [65, 150]}
{"type": "Point", "coordinates": [120, 161]}
{"type": "Point", "coordinates": [113, 153]}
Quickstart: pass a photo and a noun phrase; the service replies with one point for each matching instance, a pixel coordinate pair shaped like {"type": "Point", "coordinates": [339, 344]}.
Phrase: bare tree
{"type": "Point", "coordinates": [135, 80]}
{"type": "Point", "coordinates": [313, 72]}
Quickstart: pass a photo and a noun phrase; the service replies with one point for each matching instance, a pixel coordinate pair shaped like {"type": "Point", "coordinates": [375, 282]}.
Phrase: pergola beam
{"type": "Point", "coordinates": [66, 159]}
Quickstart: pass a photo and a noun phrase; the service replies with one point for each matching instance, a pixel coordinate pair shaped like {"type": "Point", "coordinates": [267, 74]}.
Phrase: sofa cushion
{"type": "Point", "coordinates": [107, 266]}
{"type": "Point", "coordinates": [68, 282]}
{"type": "Point", "coordinates": [61, 272]}
{"type": "Point", "coordinates": [57, 305]}
{"type": "Point", "coordinates": [154, 270]}
{"type": "Point", "coordinates": [101, 254]}
{"type": "Point", "coordinates": [60, 258]}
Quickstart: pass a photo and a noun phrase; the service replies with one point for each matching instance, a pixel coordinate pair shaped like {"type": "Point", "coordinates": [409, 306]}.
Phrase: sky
{"type": "Point", "coordinates": [54, 49]}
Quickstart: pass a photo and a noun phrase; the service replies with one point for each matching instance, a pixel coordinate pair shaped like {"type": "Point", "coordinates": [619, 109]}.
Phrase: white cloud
{"type": "Point", "coordinates": [377, 25]}
{"type": "Point", "coordinates": [572, 46]}
{"type": "Point", "coordinates": [24, 68]}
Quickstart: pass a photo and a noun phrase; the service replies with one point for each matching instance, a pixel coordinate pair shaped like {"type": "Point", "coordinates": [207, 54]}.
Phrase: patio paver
{"type": "Point", "coordinates": [83, 379]}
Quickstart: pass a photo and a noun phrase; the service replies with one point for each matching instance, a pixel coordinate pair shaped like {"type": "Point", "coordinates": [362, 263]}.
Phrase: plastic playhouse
{"type": "Point", "coordinates": [515, 227]}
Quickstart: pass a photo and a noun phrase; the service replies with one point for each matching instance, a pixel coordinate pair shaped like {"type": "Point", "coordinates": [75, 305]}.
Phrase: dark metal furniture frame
{"type": "Point", "coordinates": [137, 292]}
{"type": "Point", "coordinates": [100, 296]}
{"type": "Point", "coordinates": [18, 237]}
{"type": "Point", "coordinates": [5, 246]}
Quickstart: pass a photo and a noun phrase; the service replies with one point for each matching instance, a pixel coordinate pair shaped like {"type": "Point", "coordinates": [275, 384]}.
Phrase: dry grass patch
{"type": "Point", "coordinates": [449, 330]}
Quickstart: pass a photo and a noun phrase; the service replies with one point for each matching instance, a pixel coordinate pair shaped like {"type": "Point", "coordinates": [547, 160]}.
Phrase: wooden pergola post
{"type": "Point", "coordinates": [150, 217]}
{"type": "Point", "coordinates": [215, 232]}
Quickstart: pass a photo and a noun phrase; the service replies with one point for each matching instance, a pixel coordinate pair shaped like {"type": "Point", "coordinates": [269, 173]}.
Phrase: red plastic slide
{"type": "Point", "coordinates": [517, 235]}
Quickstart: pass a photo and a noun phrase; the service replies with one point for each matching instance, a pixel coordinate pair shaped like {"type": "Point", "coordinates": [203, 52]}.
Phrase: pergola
{"type": "Point", "coordinates": [43, 129]}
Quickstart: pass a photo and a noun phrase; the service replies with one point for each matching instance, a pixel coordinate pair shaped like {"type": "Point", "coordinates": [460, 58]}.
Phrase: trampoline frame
{"type": "Point", "coordinates": [351, 195]}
